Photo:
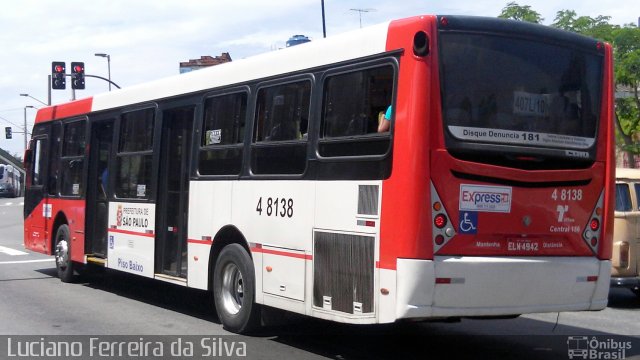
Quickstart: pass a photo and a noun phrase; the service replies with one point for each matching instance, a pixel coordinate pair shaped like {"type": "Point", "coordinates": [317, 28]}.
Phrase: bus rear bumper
{"type": "Point", "coordinates": [499, 286]}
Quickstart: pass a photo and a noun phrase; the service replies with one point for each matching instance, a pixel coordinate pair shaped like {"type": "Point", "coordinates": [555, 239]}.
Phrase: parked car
{"type": "Point", "coordinates": [626, 232]}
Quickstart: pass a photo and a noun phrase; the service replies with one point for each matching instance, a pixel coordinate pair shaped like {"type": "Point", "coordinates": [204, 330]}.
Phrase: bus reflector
{"type": "Point", "coordinates": [439, 240]}
{"type": "Point", "coordinates": [445, 281]}
{"type": "Point", "coordinates": [384, 291]}
{"type": "Point", "coordinates": [594, 241]}
{"type": "Point", "coordinates": [444, 21]}
{"type": "Point", "coordinates": [369, 223]}
{"type": "Point", "coordinates": [592, 278]}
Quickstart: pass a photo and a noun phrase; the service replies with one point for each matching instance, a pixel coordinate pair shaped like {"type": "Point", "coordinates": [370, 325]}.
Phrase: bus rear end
{"type": "Point", "coordinates": [520, 174]}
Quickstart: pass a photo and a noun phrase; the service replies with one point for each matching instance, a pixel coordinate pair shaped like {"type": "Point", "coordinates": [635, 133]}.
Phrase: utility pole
{"type": "Point", "coordinates": [360, 11]}
{"type": "Point", "coordinates": [324, 24]}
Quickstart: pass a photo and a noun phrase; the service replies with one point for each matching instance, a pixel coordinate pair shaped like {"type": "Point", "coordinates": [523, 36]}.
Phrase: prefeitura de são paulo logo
{"type": "Point", "coordinates": [119, 216]}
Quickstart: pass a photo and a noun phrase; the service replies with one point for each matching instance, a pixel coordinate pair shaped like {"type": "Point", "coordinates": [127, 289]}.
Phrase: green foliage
{"type": "Point", "coordinates": [598, 27]}
{"type": "Point", "coordinates": [522, 13]}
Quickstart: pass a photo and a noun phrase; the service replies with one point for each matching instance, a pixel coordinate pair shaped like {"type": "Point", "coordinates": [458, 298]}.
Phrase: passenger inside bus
{"type": "Point", "coordinates": [384, 120]}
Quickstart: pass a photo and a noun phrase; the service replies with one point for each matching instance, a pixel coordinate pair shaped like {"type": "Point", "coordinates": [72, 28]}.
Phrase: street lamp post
{"type": "Point", "coordinates": [38, 100]}
{"type": "Point", "coordinates": [108, 66]}
{"type": "Point", "coordinates": [324, 25]}
{"type": "Point", "coordinates": [25, 124]}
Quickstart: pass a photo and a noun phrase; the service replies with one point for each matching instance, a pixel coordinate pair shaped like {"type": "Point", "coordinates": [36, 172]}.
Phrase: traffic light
{"type": "Point", "coordinates": [58, 81]}
{"type": "Point", "coordinates": [77, 75]}
{"type": "Point", "coordinates": [7, 132]}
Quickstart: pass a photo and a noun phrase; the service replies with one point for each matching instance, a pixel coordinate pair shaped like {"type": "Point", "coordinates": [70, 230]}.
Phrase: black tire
{"type": "Point", "coordinates": [234, 289]}
{"type": "Point", "coordinates": [62, 252]}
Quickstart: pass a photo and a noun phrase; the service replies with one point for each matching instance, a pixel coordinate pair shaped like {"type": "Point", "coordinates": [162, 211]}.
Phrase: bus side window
{"type": "Point", "coordinates": [223, 135]}
{"type": "Point", "coordinates": [52, 185]}
{"type": "Point", "coordinates": [72, 181]}
{"type": "Point", "coordinates": [135, 155]}
{"type": "Point", "coordinates": [352, 105]}
{"type": "Point", "coordinates": [280, 143]}
{"type": "Point", "coordinates": [37, 161]}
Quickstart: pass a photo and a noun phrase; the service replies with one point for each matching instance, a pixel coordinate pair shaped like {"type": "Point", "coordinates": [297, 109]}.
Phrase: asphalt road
{"type": "Point", "coordinates": [34, 302]}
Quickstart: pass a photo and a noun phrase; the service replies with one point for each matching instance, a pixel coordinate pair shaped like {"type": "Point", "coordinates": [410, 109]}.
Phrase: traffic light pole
{"type": "Point", "coordinates": [91, 76]}
{"type": "Point", "coordinates": [49, 88]}
{"type": "Point", "coordinates": [105, 79]}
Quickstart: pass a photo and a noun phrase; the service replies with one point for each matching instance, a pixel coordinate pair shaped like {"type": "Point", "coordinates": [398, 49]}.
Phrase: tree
{"type": "Point", "coordinates": [626, 48]}
{"type": "Point", "coordinates": [627, 74]}
{"type": "Point", "coordinates": [626, 44]}
{"type": "Point", "coordinates": [521, 13]}
{"type": "Point", "coordinates": [598, 27]}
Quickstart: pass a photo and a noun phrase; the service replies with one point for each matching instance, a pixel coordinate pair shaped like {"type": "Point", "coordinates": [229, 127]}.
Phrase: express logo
{"type": "Point", "coordinates": [485, 198]}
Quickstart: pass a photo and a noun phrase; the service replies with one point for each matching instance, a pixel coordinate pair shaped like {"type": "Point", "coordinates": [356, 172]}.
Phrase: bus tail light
{"type": "Point", "coordinates": [440, 221]}
{"type": "Point", "coordinates": [442, 229]}
{"type": "Point", "coordinates": [592, 229]}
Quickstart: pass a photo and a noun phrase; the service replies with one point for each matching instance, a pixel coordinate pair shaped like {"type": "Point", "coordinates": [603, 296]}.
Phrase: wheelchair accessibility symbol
{"type": "Point", "coordinates": [468, 222]}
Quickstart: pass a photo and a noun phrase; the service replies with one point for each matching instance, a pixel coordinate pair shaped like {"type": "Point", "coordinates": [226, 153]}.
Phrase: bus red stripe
{"type": "Point", "coordinates": [203, 242]}
{"type": "Point", "coordinates": [282, 253]}
{"type": "Point", "coordinates": [127, 232]}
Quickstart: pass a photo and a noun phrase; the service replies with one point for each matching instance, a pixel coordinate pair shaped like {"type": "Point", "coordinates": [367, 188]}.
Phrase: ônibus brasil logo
{"type": "Point", "coordinates": [587, 348]}
{"type": "Point", "coordinates": [485, 198]}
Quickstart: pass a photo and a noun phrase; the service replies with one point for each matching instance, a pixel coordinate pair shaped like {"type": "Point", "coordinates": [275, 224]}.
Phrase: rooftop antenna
{"type": "Point", "coordinates": [360, 11]}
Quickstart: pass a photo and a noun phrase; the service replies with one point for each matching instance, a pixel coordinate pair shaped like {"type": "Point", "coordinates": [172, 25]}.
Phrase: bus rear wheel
{"type": "Point", "coordinates": [234, 290]}
{"type": "Point", "coordinates": [64, 265]}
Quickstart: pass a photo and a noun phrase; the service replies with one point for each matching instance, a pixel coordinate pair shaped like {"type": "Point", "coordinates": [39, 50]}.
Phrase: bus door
{"type": "Point", "coordinates": [173, 192]}
{"type": "Point", "coordinates": [97, 216]}
{"type": "Point", "coordinates": [37, 210]}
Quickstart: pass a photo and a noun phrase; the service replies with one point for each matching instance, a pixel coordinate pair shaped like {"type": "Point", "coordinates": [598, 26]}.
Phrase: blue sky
{"type": "Point", "coordinates": [148, 38]}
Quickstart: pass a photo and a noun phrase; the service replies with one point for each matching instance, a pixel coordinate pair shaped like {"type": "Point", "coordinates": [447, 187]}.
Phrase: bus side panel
{"type": "Point", "coordinates": [131, 245]}
{"type": "Point", "coordinates": [35, 236]}
{"type": "Point", "coordinates": [276, 218]}
{"type": "Point", "coordinates": [39, 226]}
{"type": "Point", "coordinates": [405, 196]}
{"type": "Point", "coordinates": [74, 212]}
{"type": "Point", "coordinates": [209, 211]}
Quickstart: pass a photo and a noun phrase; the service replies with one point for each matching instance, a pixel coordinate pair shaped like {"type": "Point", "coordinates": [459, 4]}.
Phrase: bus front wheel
{"type": "Point", "coordinates": [234, 290]}
{"type": "Point", "coordinates": [64, 265]}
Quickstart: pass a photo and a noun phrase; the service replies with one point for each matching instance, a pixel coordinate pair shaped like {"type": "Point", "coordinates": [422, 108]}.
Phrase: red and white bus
{"type": "Point", "coordinates": [265, 180]}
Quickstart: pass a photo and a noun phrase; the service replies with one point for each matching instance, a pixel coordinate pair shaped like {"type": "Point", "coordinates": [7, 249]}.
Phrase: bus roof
{"type": "Point", "coordinates": [356, 44]}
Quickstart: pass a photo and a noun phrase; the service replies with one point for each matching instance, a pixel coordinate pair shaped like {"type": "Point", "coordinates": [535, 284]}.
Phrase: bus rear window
{"type": "Point", "coordinates": [520, 92]}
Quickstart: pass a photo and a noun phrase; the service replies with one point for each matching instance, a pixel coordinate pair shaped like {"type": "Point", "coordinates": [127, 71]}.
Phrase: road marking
{"type": "Point", "coordinates": [26, 261]}
{"type": "Point", "coordinates": [11, 252]}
